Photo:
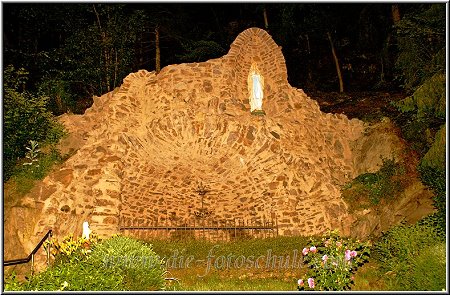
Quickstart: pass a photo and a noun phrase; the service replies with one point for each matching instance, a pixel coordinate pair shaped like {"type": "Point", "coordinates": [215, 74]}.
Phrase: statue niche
{"type": "Point", "coordinates": [256, 90]}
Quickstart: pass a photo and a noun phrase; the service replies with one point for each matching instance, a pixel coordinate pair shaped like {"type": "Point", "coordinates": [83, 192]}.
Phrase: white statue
{"type": "Point", "coordinates": [86, 231]}
{"type": "Point", "coordinates": [255, 88]}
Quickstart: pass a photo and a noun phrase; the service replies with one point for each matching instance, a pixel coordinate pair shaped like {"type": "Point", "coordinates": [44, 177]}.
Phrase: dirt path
{"type": "Point", "coordinates": [366, 106]}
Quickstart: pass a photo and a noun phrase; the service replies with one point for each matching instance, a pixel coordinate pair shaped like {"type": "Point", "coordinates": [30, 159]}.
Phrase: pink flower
{"type": "Point", "coordinates": [313, 249]}
{"type": "Point", "coordinates": [347, 255]}
{"type": "Point", "coordinates": [300, 282]}
{"type": "Point", "coordinates": [311, 283]}
{"type": "Point", "coordinates": [325, 258]}
{"type": "Point", "coordinates": [353, 253]}
{"type": "Point", "coordinates": [352, 278]}
{"type": "Point", "coordinates": [305, 251]}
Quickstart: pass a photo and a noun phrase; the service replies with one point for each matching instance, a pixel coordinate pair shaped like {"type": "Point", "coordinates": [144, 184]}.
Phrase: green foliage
{"type": "Point", "coordinates": [435, 179]}
{"type": "Point", "coordinates": [97, 57]}
{"type": "Point", "coordinates": [71, 249]}
{"type": "Point", "coordinates": [115, 264]}
{"type": "Point", "coordinates": [25, 118]}
{"type": "Point", "coordinates": [432, 173]}
{"type": "Point", "coordinates": [25, 175]}
{"type": "Point", "coordinates": [201, 50]}
{"type": "Point", "coordinates": [269, 275]}
{"type": "Point", "coordinates": [402, 254]}
{"type": "Point", "coordinates": [32, 154]}
{"type": "Point", "coordinates": [12, 283]}
{"type": "Point", "coordinates": [428, 100]}
{"type": "Point", "coordinates": [417, 131]}
{"type": "Point", "coordinates": [76, 276]}
{"type": "Point", "coordinates": [332, 261]}
{"type": "Point", "coordinates": [63, 97]}
{"type": "Point", "coordinates": [428, 270]}
{"type": "Point", "coordinates": [421, 62]}
{"type": "Point", "coordinates": [421, 43]}
{"type": "Point", "coordinates": [435, 157]}
{"type": "Point", "coordinates": [139, 265]}
{"type": "Point", "coordinates": [386, 183]}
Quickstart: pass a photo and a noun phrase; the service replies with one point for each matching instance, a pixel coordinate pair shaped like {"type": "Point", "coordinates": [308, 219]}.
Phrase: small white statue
{"type": "Point", "coordinates": [86, 231]}
{"type": "Point", "coordinates": [255, 88]}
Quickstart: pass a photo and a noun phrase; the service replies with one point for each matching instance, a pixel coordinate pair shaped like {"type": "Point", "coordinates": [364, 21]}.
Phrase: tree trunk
{"type": "Point", "coordinates": [158, 53]}
{"type": "Point", "coordinates": [309, 80]}
{"type": "Point", "coordinates": [105, 50]}
{"type": "Point", "coordinates": [395, 13]}
{"type": "Point", "coordinates": [116, 69]}
{"type": "Point", "coordinates": [266, 22]}
{"type": "Point", "coordinates": [336, 62]}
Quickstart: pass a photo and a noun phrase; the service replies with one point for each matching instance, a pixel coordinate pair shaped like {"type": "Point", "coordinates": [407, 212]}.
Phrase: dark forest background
{"type": "Point", "coordinates": [79, 50]}
{"type": "Point", "coordinates": [57, 56]}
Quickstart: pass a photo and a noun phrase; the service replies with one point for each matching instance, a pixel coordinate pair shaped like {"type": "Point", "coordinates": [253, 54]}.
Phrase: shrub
{"type": "Point", "coordinates": [332, 261]}
{"type": "Point", "coordinates": [369, 189]}
{"type": "Point", "coordinates": [76, 276]}
{"type": "Point", "coordinates": [141, 268]}
{"type": "Point", "coordinates": [435, 157]}
{"type": "Point", "coordinates": [12, 283]}
{"type": "Point", "coordinates": [399, 250]}
{"type": "Point", "coordinates": [428, 100]}
{"type": "Point", "coordinates": [118, 263]}
{"type": "Point", "coordinates": [436, 180]}
{"type": "Point", "coordinates": [23, 177]}
{"type": "Point", "coordinates": [25, 118]}
{"type": "Point", "coordinates": [432, 174]}
{"type": "Point", "coordinates": [428, 270]}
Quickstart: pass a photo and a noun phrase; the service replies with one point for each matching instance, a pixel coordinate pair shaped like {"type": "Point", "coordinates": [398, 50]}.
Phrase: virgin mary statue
{"type": "Point", "coordinates": [255, 88]}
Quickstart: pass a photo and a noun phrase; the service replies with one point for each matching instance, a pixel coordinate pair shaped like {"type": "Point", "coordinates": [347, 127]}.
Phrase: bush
{"type": "Point", "coordinates": [25, 118]}
{"type": "Point", "coordinates": [141, 268]}
{"type": "Point", "coordinates": [332, 261]}
{"type": "Point", "coordinates": [77, 276]}
{"type": "Point", "coordinates": [435, 179]}
{"type": "Point", "coordinates": [23, 177]}
{"type": "Point", "coordinates": [12, 283]}
{"type": "Point", "coordinates": [435, 157]}
{"type": "Point", "coordinates": [428, 99]}
{"type": "Point", "coordinates": [369, 189]}
{"type": "Point", "coordinates": [428, 270]}
{"type": "Point", "coordinates": [432, 174]}
{"type": "Point", "coordinates": [115, 264]}
{"type": "Point", "coordinates": [400, 254]}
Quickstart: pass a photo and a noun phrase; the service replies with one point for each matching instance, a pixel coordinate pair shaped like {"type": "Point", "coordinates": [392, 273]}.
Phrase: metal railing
{"type": "Point", "coordinates": [31, 256]}
{"type": "Point", "coordinates": [204, 228]}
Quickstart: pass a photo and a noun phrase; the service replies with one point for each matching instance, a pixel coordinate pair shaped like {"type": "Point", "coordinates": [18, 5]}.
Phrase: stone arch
{"type": "Point", "coordinates": [256, 45]}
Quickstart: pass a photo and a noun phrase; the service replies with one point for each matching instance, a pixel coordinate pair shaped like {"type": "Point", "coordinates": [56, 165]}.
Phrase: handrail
{"type": "Point", "coordinates": [31, 256]}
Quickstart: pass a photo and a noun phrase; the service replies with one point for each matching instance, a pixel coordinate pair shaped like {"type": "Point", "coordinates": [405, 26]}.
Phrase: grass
{"type": "Point", "coordinates": [244, 265]}
{"type": "Point", "coordinates": [412, 257]}
{"type": "Point", "coordinates": [369, 278]}
{"type": "Point", "coordinates": [424, 269]}
{"type": "Point", "coordinates": [406, 258]}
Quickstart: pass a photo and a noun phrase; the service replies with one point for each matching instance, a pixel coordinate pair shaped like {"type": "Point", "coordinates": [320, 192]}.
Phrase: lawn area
{"type": "Point", "coordinates": [272, 264]}
{"type": "Point", "coordinates": [406, 258]}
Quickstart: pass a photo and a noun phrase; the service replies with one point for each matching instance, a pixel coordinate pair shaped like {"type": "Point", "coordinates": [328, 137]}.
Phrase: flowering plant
{"type": "Point", "coordinates": [71, 249]}
{"type": "Point", "coordinates": [332, 262]}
